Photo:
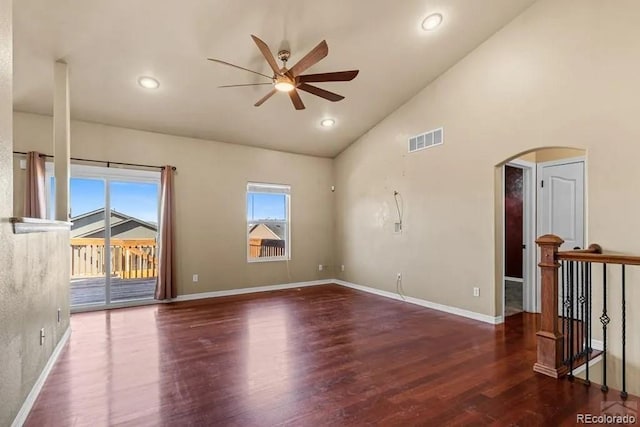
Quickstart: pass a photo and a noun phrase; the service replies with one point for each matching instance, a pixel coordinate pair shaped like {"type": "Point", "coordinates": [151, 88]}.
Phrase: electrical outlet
{"type": "Point", "coordinates": [476, 292]}
{"type": "Point", "coordinates": [195, 277]}
{"type": "Point", "coordinates": [342, 267]}
{"type": "Point", "coordinates": [320, 267]}
{"type": "Point", "coordinates": [42, 336]}
{"type": "Point", "coordinates": [399, 276]}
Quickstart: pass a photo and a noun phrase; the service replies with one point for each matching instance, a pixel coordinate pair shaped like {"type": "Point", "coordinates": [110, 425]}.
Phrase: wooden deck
{"type": "Point", "coordinates": [322, 355]}
{"type": "Point", "coordinates": [90, 290]}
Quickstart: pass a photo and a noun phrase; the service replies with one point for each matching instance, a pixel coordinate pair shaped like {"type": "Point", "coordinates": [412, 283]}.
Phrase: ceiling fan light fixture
{"type": "Point", "coordinates": [284, 84]}
{"type": "Point", "coordinates": [148, 82]}
{"type": "Point", "coordinates": [432, 22]}
{"type": "Point", "coordinates": [327, 123]}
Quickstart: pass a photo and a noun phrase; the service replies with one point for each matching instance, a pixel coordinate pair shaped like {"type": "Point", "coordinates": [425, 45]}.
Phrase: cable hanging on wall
{"type": "Point", "coordinates": [398, 225]}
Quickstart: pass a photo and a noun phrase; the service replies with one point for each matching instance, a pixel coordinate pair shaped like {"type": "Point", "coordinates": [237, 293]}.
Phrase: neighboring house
{"type": "Point", "coordinates": [92, 225]}
{"type": "Point", "coordinates": [263, 231]}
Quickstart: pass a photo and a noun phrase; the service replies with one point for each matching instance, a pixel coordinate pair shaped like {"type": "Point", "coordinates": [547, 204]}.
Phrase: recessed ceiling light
{"type": "Point", "coordinates": [148, 82]}
{"type": "Point", "coordinates": [327, 123]}
{"type": "Point", "coordinates": [432, 22]}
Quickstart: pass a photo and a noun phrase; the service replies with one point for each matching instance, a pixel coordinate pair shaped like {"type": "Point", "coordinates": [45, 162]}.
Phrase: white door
{"type": "Point", "coordinates": [561, 202]}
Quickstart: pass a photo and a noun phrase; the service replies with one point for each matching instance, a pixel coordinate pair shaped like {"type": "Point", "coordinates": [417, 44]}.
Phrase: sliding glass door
{"type": "Point", "coordinates": [88, 251]}
{"type": "Point", "coordinates": [113, 237]}
{"type": "Point", "coordinates": [134, 230]}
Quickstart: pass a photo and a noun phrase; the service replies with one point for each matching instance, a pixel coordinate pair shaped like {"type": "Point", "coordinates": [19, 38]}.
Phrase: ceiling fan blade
{"type": "Point", "coordinates": [310, 59]}
{"type": "Point", "coordinates": [266, 52]}
{"type": "Point", "coordinates": [338, 76]}
{"type": "Point", "coordinates": [295, 98]}
{"type": "Point", "coordinates": [237, 66]}
{"type": "Point", "coordinates": [249, 84]}
{"type": "Point", "coordinates": [264, 98]}
{"type": "Point", "coordinates": [333, 97]}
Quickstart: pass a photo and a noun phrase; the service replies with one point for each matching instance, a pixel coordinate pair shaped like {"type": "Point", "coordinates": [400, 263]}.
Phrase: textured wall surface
{"type": "Point", "coordinates": [210, 188]}
{"type": "Point", "coordinates": [33, 269]}
{"type": "Point", "coordinates": [556, 76]}
{"type": "Point", "coordinates": [10, 383]}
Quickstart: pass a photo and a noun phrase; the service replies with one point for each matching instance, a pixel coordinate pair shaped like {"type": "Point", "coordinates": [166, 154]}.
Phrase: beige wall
{"type": "Point", "coordinates": [551, 154]}
{"type": "Point", "coordinates": [210, 187]}
{"type": "Point", "coordinates": [558, 75]}
{"type": "Point", "coordinates": [33, 270]}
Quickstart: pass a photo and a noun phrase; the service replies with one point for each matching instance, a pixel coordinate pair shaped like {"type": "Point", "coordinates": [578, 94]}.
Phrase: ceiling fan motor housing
{"type": "Point", "coordinates": [284, 55]}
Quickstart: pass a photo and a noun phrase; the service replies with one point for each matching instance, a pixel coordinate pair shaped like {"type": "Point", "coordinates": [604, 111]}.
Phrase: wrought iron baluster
{"type": "Point", "coordinates": [588, 322]}
{"type": "Point", "coordinates": [580, 323]}
{"type": "Point", "coordinates": [571, 310]}
{"type": "Point", "coordinates": [623, 393]}
{"type": "Point", "coordinates": [563, 308]}
{"type": "Point", "coordinates": [604, 319]}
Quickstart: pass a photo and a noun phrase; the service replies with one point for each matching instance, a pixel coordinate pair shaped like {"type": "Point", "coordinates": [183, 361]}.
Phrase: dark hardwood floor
{"type": "Point", "coordinates": [323, 355]}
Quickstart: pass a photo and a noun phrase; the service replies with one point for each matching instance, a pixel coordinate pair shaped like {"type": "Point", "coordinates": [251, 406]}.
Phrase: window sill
{"type": "Point", "coordinates": [270, 259]}
{"type": "Point", "coordinates": [22, 225]}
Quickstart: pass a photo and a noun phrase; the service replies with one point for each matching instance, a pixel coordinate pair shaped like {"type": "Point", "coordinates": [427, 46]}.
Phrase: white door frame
{"type": "Point", "coordinates": [530, 294]}
{"type": "Point", "coordinates": [108, 175]}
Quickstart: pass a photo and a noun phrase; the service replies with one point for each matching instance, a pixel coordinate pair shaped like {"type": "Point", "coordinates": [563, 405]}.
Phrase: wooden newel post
{"type": "Point", "coordinates": [550, 339]}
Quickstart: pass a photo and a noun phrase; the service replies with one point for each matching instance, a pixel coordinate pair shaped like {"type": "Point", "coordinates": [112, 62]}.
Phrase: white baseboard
{"type": "Point", "coordinates": [597, 345]}
{"type": "Point", "coordinates": [428, 304]}
{"type": "Point", "coordinates": [37, 387]}
{"type": "Point", "coordinates": [440, 307]}
{"type": "Point", "coordinates": [230, 292]}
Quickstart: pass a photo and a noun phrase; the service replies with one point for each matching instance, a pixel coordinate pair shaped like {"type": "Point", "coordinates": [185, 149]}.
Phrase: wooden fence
{"type": "Point", "coordinates": [262, 248]}
{"type": "Point", "coordinates": [130, 258]}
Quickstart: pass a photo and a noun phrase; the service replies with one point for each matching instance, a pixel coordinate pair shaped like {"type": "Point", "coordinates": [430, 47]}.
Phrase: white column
{"type": "Point", "coordinates": [61, 139]}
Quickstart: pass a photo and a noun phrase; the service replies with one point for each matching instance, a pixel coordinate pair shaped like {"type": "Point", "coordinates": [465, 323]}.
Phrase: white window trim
{"type": "Point", "coordinates": [101, 172]}
{"type": "Point", "coordinates": [286, 190]}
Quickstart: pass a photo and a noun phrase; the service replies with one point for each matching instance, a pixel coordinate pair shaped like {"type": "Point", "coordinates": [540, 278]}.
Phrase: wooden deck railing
{"type": "Point", "coordinates": [569, 289]}
{"type": "Point", "coordinates": [130, 258]}
{"type": "Point", "coordinates": [261, 248]}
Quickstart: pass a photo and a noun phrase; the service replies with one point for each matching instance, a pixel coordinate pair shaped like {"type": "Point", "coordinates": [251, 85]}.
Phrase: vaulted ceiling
{"type": "Point", "coordinates": [110, 44]}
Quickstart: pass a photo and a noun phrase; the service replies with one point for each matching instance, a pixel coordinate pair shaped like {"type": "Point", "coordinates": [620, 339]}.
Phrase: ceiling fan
{"type": "Point", "coordinates": [291, 79]}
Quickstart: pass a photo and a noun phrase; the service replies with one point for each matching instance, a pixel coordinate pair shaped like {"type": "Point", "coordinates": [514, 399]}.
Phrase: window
{"type": "Point", "coordinates": [268, 219]}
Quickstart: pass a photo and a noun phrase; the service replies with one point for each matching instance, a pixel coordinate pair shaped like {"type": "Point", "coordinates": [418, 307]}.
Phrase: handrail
{"type": "Point", "coordinates": [85, 241]}
{"type": "Point", "coordinates": [599, 258]}
{"type": "Point", "coordinates": [593, 248]}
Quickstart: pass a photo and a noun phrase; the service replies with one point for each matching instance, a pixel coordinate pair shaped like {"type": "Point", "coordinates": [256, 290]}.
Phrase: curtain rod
{"type": "Point", "coordinates": [101, 161]}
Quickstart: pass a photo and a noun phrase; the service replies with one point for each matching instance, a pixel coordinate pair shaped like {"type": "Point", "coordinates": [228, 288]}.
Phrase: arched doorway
{"type": "Point", "coordinates": [526, 209]}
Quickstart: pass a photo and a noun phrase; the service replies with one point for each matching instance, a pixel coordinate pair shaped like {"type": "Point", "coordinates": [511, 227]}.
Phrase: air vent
{"type": "Point", "coordinates": [426, 140]}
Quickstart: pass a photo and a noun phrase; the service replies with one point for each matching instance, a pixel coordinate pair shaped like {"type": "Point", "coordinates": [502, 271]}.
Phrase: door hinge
{"type": "Point", "coordinates": [542, 184]}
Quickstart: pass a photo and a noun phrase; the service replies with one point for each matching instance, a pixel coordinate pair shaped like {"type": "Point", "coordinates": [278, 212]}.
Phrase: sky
{"type": "Point", "coordinates": [266, 206]}
{"type": "Point", "coordinates": [135, 199]}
